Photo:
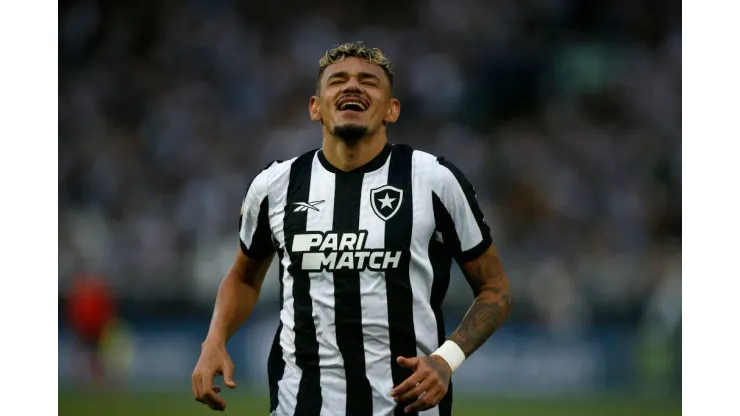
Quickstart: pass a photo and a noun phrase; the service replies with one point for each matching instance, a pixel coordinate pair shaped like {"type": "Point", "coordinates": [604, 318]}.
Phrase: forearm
{"type": "Point", "coordinates": [492, 302]}
{"type": "Point", "coordinates": [485, 316]}
{"type": "Point", "coordinates": [234, 303]}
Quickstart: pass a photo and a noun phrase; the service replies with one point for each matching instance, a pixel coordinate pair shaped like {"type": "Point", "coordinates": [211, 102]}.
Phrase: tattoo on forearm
{"type": "Point", "coordinates": [492, 303]}
{"type": "Point", "coordinates": [482, 320]}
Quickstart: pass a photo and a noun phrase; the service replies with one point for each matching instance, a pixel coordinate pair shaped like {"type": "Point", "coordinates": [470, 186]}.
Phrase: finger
{"type": "Point", "coordinates": [410, 383]}
{"type": "Point", "coordinates": [206, 394]}
{"type": "Point", "coordinates": [414, 393]}
{"type": "Point", "coordinates": [214, 401]}
{"type": "Point", "coordinates": [196, 386]}
{"type": "Point", "coordinates": [206, 385]}
{"type": "Point", "coordinates": [409, 363]}
{"type": "Point", "coordinates": [428, 401]}
{"type": "Point", "coordinates": [229, 376]}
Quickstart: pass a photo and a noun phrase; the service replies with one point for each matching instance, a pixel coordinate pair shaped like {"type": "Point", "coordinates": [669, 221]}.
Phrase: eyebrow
{"type": "Point", "coordinates": [361, 75]}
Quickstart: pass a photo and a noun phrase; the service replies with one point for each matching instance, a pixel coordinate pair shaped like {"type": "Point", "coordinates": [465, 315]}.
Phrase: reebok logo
{"type": "Point", "coordinates": [305, 206]}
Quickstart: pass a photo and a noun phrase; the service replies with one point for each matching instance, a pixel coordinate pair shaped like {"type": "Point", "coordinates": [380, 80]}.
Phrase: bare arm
{"type": "Point", "coordinates": [489, 310]}
{"type": "Point", "coordinates": [492, 301]}
{"type": "Point", "coordinates": [237, 296]}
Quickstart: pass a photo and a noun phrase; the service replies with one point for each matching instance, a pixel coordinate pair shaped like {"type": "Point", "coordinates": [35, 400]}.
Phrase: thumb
{"type": "Point", "coordinates": [229, 376]}
{"type": "Point", "coordinates": [409, 363]}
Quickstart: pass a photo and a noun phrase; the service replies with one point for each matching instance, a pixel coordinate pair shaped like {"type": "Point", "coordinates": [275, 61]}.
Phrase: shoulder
{"type": "Point", "coordinates": [274, 170]}
{"type": "Point", "coordinates": [436, 168]}
{"type": "Point", "coordinates": [278, 171]}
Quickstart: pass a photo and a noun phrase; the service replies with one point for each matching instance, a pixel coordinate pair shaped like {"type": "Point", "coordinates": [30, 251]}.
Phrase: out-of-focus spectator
{"type": "Point", "coordinates": [90, 310]}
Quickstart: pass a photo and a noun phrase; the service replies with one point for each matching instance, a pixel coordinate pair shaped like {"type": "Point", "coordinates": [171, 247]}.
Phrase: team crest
{"type": "Point", "coordinates": [386, 201]}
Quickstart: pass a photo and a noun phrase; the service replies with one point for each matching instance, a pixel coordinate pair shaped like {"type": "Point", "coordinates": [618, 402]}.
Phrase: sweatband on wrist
{"type": "Point", "coordinates": [451, 353]}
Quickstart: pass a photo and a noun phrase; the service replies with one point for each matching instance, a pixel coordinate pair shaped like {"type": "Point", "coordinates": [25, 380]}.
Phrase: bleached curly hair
{"type": "Point", "coordinates": [355, 50]}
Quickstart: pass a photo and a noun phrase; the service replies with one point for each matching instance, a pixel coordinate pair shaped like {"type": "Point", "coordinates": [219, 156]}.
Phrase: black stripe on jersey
{"type": "Point", "coordinates": [441, 262]}
{"type": "Point", "coordinates": [347, 299]}
{"type": "Point", "coordinates": [262, 244]}
{"type": "Point", "coordinates": [398, 284]}
{"type": "Point", "coordinates": [446, 226]}
{"type": "Point", "coordinates": [275, 362]}
{"type": "Point", "coordinates": [445, 405]}
{"type": "Point", "coordinates": [469, 191]}
{"type": "Point", "coordinates": [306, 345]}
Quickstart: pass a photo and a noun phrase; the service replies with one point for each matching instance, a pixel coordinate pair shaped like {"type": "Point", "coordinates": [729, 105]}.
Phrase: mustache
{"type": "Point", "coordinates": [353, 96]}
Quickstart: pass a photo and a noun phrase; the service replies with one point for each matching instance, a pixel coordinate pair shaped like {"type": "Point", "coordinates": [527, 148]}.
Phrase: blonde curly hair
{"type": "Point", "coordinates": [355, 50]}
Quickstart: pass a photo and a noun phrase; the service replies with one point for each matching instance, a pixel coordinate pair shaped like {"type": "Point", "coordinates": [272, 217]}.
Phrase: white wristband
{"type": "Point", "coordinates": [451, 353]}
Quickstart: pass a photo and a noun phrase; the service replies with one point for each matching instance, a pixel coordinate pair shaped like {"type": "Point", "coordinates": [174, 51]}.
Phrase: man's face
{"type": "Point", "coordinates": [354, 100]}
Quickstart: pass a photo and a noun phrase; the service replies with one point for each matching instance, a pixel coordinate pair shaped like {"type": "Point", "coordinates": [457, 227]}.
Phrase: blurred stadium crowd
{"type": "Point", "coordinates": [565, 114]}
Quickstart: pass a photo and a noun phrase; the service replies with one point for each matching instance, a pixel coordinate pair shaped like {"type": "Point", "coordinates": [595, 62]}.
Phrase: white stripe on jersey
{"type": "Point", "coordinates": [374, 308]}
{"type": "Point", "coordinates": [420, 267]}
{"type": "Point", "coordinates": [278, 196]}
{"type": "Point", "coordinates": [333, 384]}
{"type": "Point", "coordinates": [461, 212]}
{"type": "Point", "coordinates": [288, 385]}
{"type": "Point", "coordinates": [251, 206]}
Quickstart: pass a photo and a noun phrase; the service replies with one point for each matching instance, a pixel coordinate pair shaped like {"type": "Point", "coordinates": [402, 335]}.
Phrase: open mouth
{"type": "Point", "coordinates": [352, 105]}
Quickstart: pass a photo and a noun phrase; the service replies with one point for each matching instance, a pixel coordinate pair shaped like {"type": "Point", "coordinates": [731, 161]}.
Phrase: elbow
{"type": "Point", "coordinates": [508, 302]}
{"type": "Point", "coordinates": [506, 296]}
{"type": "Point", "coordinates": [496, 294]}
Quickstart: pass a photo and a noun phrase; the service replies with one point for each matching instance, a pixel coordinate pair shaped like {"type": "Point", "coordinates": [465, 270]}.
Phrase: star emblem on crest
{"type": "Point", "coordinates": [385, 201]}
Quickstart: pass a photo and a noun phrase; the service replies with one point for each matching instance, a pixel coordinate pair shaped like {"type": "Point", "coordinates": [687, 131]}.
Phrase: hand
{"type": "Point", "coordinates": [427, 385]}
{"type": "Point", "coordinates": [214, 361]}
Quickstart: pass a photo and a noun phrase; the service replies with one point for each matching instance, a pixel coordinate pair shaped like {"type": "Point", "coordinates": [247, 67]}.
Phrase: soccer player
{"type": "Point", "coordinates": [364, 232]}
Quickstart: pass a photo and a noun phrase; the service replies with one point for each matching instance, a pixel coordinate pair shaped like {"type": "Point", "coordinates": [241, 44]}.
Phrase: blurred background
{"type": "Point", "coordinates": [565, 114]}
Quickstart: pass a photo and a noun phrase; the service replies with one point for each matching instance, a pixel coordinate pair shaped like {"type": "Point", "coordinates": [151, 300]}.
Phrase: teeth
{"type": "Point", "coordinates": [361, 105]}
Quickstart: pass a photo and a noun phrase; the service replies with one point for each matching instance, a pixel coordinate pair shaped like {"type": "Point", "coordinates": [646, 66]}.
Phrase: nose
{"type": "Point", "coordinates": [352, 87]}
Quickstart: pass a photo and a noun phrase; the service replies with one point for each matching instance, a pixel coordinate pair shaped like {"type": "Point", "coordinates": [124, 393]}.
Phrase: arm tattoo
{"type": "Point", "coordinates": [492, 302]}
{"type": "Point", "coordinates": [439, 366]}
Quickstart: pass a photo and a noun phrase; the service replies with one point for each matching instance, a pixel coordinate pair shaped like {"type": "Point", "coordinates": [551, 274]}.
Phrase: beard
{"type": "Point", "coordinates": [351, 134]}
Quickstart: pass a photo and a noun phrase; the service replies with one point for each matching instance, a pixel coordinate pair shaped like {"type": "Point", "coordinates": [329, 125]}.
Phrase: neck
{"type": "Point", "coordinates": [348, 158]}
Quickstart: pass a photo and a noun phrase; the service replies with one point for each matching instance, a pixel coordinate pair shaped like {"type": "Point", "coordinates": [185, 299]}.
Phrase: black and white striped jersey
{"type": "Point", "coordinates": [365, 259]}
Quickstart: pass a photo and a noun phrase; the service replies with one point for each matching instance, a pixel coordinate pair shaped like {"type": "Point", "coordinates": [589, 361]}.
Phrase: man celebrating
{"type": "Point", "coordinates": [365, 232]}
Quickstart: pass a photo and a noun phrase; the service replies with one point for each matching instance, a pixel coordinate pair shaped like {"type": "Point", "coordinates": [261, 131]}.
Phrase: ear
{"type": "Point", "coordinates": [394, 110]}
{"type": "Point", "coordinates": [313, 108]}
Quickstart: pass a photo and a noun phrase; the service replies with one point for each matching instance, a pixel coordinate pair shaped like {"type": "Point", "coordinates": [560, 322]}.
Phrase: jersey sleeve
{"type": "Point", "coordinates": [255, 236]}
{"type": "Point", "coordinates": [457, 214]}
